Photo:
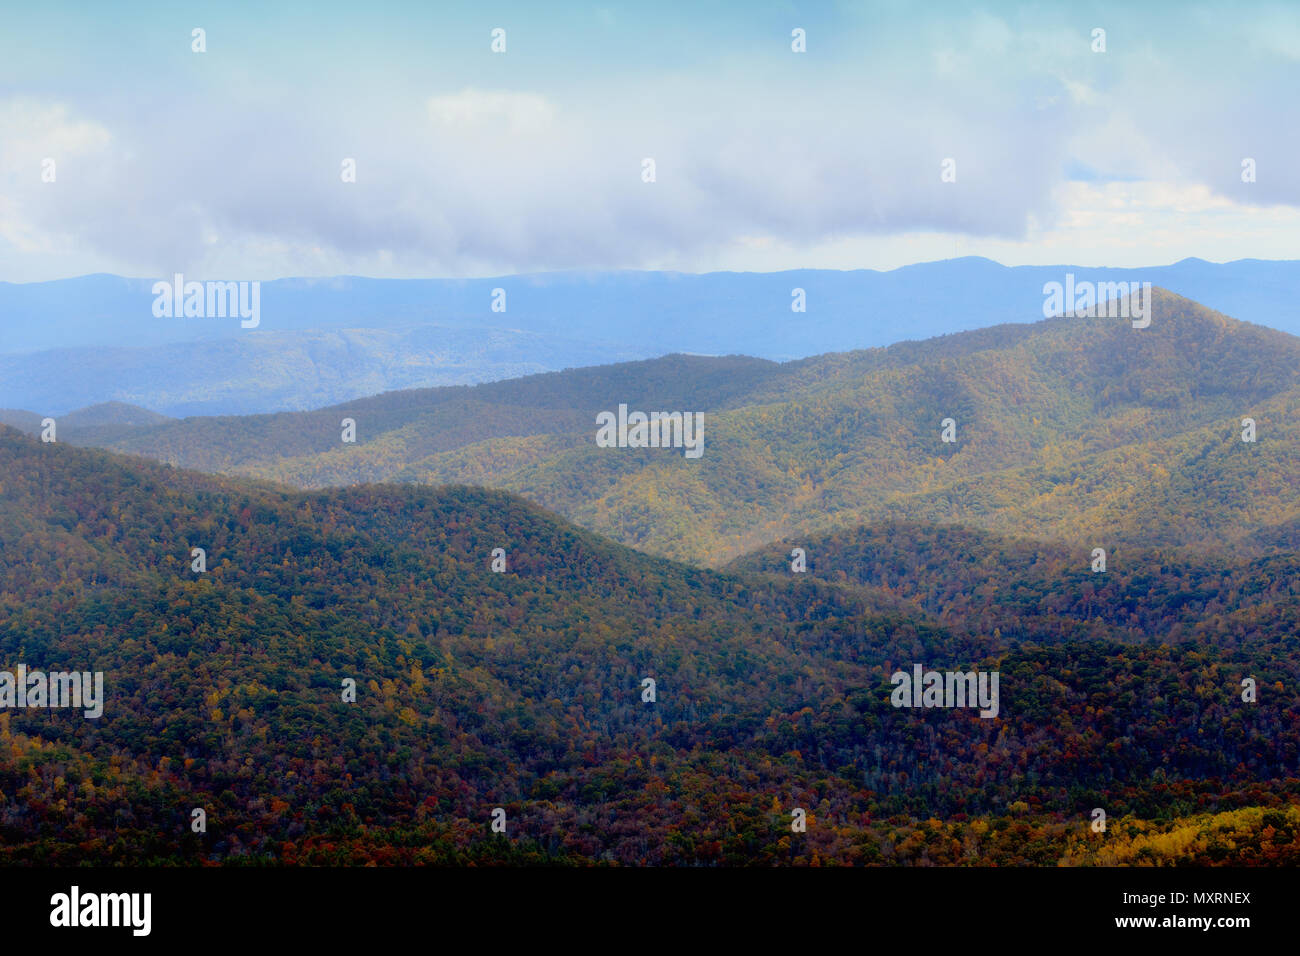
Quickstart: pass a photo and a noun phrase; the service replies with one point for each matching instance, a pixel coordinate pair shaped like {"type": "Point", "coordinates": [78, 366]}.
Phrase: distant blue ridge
{"type": "Point", "coordinates": [552, 321]}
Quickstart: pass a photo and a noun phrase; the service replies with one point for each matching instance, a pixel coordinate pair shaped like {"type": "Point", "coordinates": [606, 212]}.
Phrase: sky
{"type": "Point", "coordinates": [229, 163]}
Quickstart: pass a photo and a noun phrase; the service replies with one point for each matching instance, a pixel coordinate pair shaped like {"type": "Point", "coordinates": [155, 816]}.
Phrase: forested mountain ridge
{"type": "Point", "coordinates": [524, 690]}
{"type": "Point", "coordinates": [1047, 592]}
{"type": "Point", "coordinates": [424, 422]}
{"type": "Point", "coordinates": [1080, 429]}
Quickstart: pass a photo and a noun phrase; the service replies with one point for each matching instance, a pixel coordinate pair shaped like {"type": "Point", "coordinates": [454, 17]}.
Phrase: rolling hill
{"type": "Point", "coordinates": [1047, 592]}
{"type": "Point", "coordinates": [1081, 430]}
{"type": "Point", "coordinates": [524, 690]}
{"type": "Point", "coordinates": [94, 425]}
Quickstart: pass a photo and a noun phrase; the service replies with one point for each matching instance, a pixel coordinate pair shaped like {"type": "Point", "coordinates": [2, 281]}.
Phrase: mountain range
{"type": "Point", "coordinates": [1084, 430]}
{"type": "Point", "coordinates": [94, 339]}
{"type": "Point", "coordinates": [640, 657]}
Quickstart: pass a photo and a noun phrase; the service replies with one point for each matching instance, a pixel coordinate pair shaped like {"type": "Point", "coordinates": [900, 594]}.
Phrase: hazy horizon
{"type": "Point", "coordinates": [598, 271]}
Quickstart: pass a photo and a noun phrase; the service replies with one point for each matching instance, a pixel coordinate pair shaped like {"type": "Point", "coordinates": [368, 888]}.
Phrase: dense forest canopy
{"type": "Point", "coordinates": [523, 690]}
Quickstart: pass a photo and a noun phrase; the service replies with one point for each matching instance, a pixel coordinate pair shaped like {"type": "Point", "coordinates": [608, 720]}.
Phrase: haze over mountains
{"type": "Point", "coordinates": [1081, 430]}
{"type": "Point", "coordinates": [77, 342]}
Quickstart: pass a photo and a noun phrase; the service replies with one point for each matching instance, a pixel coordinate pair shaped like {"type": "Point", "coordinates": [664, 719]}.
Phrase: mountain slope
{"type": "Point", "coordinates": [1047, 592]}
{"type": "Point", "coordinates": [523, 690]}
{"type": "Point", "coordinates": [1067, 428]}
{"type": "Point", "coordinates": [100, 424]}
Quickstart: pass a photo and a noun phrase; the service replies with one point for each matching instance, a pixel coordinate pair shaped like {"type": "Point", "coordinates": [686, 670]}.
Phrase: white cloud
{"type": "Point", "coordinates": [769, 165]}
{"type": "Point", "coordinates": [34, 129]}
{"type": "Point", "coordinates": [516, 112]}
{"type": "Point", "coordinates": [33, 132]}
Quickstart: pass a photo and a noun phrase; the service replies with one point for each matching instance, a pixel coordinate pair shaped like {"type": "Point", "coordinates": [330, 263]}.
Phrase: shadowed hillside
{"type": "Point", "coordinates": [524, 690]}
